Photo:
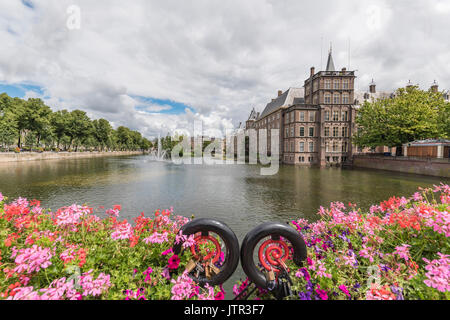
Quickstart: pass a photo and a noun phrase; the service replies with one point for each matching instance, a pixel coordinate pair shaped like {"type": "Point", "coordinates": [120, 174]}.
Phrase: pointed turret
{"type": "Point", "coordinates": [330, 63]}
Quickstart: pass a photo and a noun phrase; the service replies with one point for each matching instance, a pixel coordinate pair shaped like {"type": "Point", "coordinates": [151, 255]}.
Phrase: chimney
{"type": "Point", "coordinates": [434, 86]}
{"type": "Point", "coordinates": [344, 69]}
{"type": "Point", "coordinates": [312, 71]}
{"type": "Point", "coordinates": [372, 87]}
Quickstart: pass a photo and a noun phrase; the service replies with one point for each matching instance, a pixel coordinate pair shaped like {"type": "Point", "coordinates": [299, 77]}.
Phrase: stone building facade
{"type": "Point", "coordinates": [316, 121]}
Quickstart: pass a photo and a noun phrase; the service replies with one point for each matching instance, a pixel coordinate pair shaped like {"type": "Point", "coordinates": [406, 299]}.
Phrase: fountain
{"type": "Point", "coordinates": [159, 154]}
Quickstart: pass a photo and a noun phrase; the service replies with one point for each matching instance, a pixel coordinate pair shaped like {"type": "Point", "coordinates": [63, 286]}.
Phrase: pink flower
{"type": "Point", "coordinates": [189, 242]}
{"type": "Point", "coordinates": [122, 230]}
{"type": "Point", "coordinates": [95, 287]}
{"type": "Point", "coordinates": [157, 238]}
{"type": "Point", "coordinates": [174, 262]}
{"type": "Point", "coordinates": [438, 275]}
{"type": "Point", "coordinates": [219, 296]}
{"type": "Point", "coordinates": [147, 274]}
{"type": "Point", "coordinates": [112, 212]}
{"type": "Point", "coordinates": [70, 216]}
{"type": "Point", "coordinates": [165, 253]}
{"type": "Point", "coordinates": [32, 259]}
{"type": "Point", "coordinates": [24, 293]}
{"type": "Point", "coordinates": [184, 288]}
{"type": "Point", "coordinates": [1, 197]}
{"type": "Point", "coordinates": [403, 251]}
{"type": "Point", "coordinates": [344, 289]}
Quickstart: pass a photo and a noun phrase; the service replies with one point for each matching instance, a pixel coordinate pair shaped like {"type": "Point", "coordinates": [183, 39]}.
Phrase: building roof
{"type": "Point", "coordinates": [330, 63]}
{"type": "Point", "coordinates": [253, 115]}
{"type": "Point", "coordinates": [429, 142]}
{"type": "Point", "coordinates": [286, 99]}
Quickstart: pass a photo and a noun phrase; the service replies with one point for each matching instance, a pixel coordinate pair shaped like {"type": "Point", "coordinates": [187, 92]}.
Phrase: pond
{"type": "Point", "coordinates": [236, 194]}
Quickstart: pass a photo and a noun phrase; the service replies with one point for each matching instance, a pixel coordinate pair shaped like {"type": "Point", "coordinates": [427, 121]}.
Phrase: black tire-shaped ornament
{"type": "Point", "coordinates": [271, 250]}
{"type": "Point", "coordinates": [202, 228]}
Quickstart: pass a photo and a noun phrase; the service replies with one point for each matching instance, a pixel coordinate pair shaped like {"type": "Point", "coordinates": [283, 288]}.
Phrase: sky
{"type": "Point", "coordinates": [158, 66]}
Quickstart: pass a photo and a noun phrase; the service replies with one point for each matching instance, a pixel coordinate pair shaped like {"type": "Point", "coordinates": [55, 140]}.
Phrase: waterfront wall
{"type": "Point", "coordinates": [32, 156]}
{"type": "Point", "coordinates": [430, 167]}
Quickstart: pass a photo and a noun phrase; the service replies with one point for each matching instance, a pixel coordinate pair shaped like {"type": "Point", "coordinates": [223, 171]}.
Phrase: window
{"type": "Point", "coordinates": [345, 116]}
{"type": "Point", "coordinates": [327, 131]}
{"type": "Point", "coordinates": [302, 146]}
{"type": "Point", "coordinates": [301, 159]}
{"type": "Point", "coordinates": [336, 84]}
{"type": "Point", "coordinates": [327, 115]}
{"type": "Point", "coordinates": [327, 147]}
{"type": "Point", "coordinates": [336, 98]}
{"type": "Point", "coordinates": [292, 146]}
{"type": "Point", "coordinates": [302, 116]}
{"type": "Point", "coordinates": [312, 116]}
{"type": "Point", "coordinates": [344, 146]}
{"type": "Point", "coordinates": [286, 146]}
{"type": "Point", "coordinates": [327, 98]}
{"type": "Point", "coordinates": [344, 131]}
{"type": "Point", "coordinates": [310, 159]}
{"type": "Point", "coordinates": [302, 131]}
{"type": "Point", "coordinates": [328, 84]}
{"type": "Point", "coordinates": [311, 147]}
{"type": "Point", "coordinates": [286, 132]}
{"type": "Point", "coordinates": [335, 159]}
{"type": "Point", "coordinates": [311, 131]}
{"type": "Point", "coordinates": [345, 98]}
{"type": "Point", "coordinates": [345, 84]}
{"type": "Point", "coordinates": [335, 147]}
{"type": "Point", "coordinates": [292, 131]}
{"type": "Point", "coordinates": [315, 85]}
{"type": "Point", "coordinates": [335, 131]}
{"type": "Point", "coordinates": [335, 115]}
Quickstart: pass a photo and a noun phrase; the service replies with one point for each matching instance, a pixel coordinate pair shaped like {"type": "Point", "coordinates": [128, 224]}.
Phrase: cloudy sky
{"type": "Point", "coordinates": [156, 66]}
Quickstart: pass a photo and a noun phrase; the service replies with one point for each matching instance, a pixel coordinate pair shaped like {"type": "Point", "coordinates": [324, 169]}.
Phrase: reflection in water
{"type": "Point", "coordinates": [235, 194]}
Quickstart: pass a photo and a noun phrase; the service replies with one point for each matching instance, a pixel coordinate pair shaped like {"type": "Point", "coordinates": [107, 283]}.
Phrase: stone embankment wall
{"type": "Point", "coordinates": [32, 156]}
{"type": "Point", "coordinates": [430, 166]}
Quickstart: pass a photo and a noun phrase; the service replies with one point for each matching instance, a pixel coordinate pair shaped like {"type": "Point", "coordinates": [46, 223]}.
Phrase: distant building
{"type": "Point", "coordinates": [429, 148]}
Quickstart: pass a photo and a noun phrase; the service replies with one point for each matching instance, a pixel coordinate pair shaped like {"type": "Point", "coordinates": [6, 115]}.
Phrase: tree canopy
{"type": "Point", "coordinates": [412, 114]}
{"type": "Point", "coordinates": [30, 123]}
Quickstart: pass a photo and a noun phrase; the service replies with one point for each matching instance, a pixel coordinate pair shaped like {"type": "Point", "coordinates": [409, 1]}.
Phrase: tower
{"type": "Point", "coordinates": [332, 93]}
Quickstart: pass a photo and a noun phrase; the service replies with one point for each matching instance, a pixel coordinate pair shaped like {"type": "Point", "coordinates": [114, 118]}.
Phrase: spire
{"type": "Point", "coordinates": [330, 63]}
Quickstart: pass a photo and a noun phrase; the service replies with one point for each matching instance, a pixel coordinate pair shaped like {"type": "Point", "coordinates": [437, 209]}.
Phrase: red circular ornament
{"type": "Point", "coordinates": [214, 254]}
{"type": "Point", "coordinates": [271, 252]}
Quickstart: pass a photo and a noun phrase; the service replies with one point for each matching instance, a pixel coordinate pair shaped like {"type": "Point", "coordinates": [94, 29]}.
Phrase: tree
{"type": "Point", "coordinates": [79, 127]}
{"type": "Point", "coordinates": [8, 123]}
{"type": "Point", "coordinates": [59, 122]}
{"type": "Point", "coordinates": [410, 115]}
{"type": "Point", "coordinates": [37, 116]}
{"type": "Point", "coordinates": [102, 132]}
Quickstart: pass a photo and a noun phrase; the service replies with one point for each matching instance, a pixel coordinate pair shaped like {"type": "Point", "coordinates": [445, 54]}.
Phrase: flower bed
{"type": "Point", "coordinates": [398, 250]}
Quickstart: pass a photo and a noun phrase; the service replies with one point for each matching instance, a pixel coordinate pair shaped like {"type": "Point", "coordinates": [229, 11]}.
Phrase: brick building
{"type": "Point", "coordinates": [316, 121]}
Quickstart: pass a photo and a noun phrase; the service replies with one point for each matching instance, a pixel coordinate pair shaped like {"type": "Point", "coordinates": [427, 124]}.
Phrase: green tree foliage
{"type": "Point", "coordinates": [32, 123]}
{"type": "Point", "coordinates": [102, 132]}
{"type": "Point", "coordinates": [412, 114]}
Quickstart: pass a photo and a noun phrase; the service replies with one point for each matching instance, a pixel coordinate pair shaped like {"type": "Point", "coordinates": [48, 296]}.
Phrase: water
{"type": "Point", "coordinates": [236, 194]}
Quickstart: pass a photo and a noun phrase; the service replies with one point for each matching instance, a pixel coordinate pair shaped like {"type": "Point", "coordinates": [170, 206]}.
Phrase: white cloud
{"type": "Point", "coordinates": [220, 58]}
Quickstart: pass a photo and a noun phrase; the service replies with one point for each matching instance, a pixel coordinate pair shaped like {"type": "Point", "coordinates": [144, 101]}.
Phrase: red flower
{"type": "Point", "coordinates": [117, 207]}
